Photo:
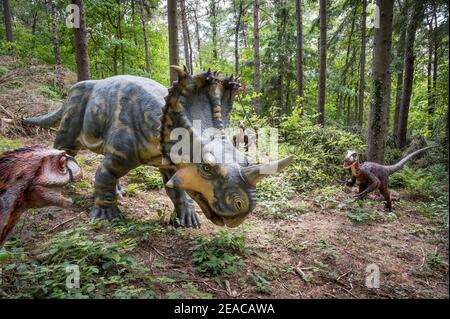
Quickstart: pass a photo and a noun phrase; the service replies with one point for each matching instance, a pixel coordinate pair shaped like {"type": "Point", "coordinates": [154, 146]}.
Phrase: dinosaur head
{"type": "Point", "coordinates": [226, 192]}
{"type": "Point", "coordinates": [221, 180]}
{"type": "Point", "coordinates": [33, 177]}
{"type": "Point", "coordinates": [350, 159]}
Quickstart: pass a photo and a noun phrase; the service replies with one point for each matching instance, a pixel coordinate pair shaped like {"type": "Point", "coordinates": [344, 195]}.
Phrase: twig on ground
{"type": "Point", "coordinates": [61, 224]}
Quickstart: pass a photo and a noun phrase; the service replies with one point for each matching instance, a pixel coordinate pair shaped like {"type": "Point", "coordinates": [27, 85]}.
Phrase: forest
{"type": "Point", "coordinates": [341, 81]}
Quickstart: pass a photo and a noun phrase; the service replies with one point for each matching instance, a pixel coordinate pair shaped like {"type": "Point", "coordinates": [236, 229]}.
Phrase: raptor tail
{"type": "Point", "coordinates": [396, 167]}
{"type": "Point", "coordinates": [46, 121]}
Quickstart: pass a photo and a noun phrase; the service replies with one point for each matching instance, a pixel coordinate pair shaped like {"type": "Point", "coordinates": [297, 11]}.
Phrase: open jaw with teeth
{"type": "Point", "coordinates": [33, 177]}
{"type": "Point", "coordinates": [348, 164]}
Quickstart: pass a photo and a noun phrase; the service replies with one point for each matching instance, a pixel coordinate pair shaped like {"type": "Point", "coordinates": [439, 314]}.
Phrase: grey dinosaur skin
{"type": "Point", "coordinates": [372, 176]}
{"type": "Point", "coordinates": [128, 119]}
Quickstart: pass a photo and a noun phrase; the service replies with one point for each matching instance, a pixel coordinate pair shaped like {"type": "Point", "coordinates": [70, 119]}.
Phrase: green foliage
{"type": "Point", "coordinates": [424, 183]}
{"type": "Point", "coordinates": [260, 284]}
{"type": "Point", "coordinates": [221, 254]}
{"type": "Point", "coordinates": [318, 151]}
{"type": "Point", "coordinates": [138, 231]}
{"type": "Point", "coordinates": [106, 268]}
{"type": "Point", "coordinates": [149, 177]}
{"type": "Point", "coordinates": [8, 145]}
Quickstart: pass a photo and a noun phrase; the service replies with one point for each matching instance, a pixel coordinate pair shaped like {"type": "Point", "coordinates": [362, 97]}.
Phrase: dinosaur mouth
{"type": "Point", "coordinates": [212, 215]}
{"type": "Point", "coordinates": [348, 164]}
{"type": "Point", "coordinates": [49, 195]}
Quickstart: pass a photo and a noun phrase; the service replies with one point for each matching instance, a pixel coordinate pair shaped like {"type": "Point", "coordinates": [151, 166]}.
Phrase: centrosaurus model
{"type": "Point", "coordinates": [372, 176]}
{"type": "Point", "coordinates": [130, 120]}
{"type": "Point", "coordinates": [33, 177]}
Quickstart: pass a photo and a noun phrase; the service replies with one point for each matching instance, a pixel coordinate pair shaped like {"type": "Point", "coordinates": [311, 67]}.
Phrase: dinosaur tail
{"type": "Point", "coordinates": [46, 121]}
{"type": "Point", "coordinates": [396, 167]}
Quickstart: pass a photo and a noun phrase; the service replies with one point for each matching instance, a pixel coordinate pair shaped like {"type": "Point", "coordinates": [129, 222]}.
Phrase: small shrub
{"type": "Point", "coordinates": [220, 254]}
{"type": "Point", "coordinates": [149, 177]}
{"type": "Point", "coordinates": [318, 151]}
{"type": "Point", "coordinates": [106, 268]}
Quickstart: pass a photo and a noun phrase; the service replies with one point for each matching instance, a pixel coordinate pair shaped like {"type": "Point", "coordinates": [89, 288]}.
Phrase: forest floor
{"type": "Point", "coordinates": [323, 247]}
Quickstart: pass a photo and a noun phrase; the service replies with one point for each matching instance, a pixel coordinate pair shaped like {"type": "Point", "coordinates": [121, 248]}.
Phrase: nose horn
{"type": "Point", "coordinates": [253, 174]}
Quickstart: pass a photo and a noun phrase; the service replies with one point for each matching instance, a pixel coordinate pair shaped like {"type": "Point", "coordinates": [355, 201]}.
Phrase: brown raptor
{"type": "Point", "coordinates": [372, 176]}
{"type": "Point", "coordinates": [32, 177]}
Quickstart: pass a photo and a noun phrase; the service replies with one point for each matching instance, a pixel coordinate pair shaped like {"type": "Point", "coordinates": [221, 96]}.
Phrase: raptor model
{"type": "Point", "coordinates": [32, 177]}
{"type": "Point", "coordinates": [372, 176]}
{"type": "Point", "coordinates": [136, 121]}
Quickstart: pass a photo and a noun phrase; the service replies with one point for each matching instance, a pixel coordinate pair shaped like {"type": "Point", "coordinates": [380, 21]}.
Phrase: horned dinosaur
{"type": "Point", "coordinates": [32, 177]}
{"type": "Point", "coordinates": [130, 120]}
{"type": "Point", "coordinates": [372, 176]}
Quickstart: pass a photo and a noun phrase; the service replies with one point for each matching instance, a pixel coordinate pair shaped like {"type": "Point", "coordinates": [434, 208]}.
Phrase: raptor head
{"type": "Point", "coordinates": [33, 177]}
{"type": "Point", "coordinates": [350, 159]}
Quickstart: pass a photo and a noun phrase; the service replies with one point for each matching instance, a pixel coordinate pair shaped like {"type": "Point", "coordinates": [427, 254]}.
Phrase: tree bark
{"type": "Point", "coordinates": [56, 48]}
{"type": "Point", "coordinates": [323, 62]}
{"type": "Point", "coordinates": [213, 20]}
{"type": "Point", "coordinates": [413, 23]}
{"type": "Point", "coordinates": [379, 106]}
{"type": "Point", "coordinates": [399, 89]}
{"type": "Point", "coordinates": [362, 66]}
{"type": "Point", "coordinates": [256, 57]}
{"type": "Point", "coordinates": [173, 37]}
{"type": "Point", "coordinates": [299, 52]}
{"type": "Point", "coordinates": [197, 34]}
{"type": "Point", "coordinates": [186, 36]}
{"type": "Point", "coordinates": [7, 21]}
{"type": "Point", "coordinates": [236, 36]}
{"type": "Point", "coordinates": [81, 45]}
{"type": "Point", "coordinates": [144, 31]}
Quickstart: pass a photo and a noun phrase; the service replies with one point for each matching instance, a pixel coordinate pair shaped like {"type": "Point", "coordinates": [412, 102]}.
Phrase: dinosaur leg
{"type": "Point", "coordinates": [387, 197]}
{"type": "Point", "coordinates": [119, 190]}
{"type": "Point", "coordinates": [184, 205]}
{"type": "Point", "coordinates": [106, 189]}
{"type": "Point", "coordinates": [362, 188]}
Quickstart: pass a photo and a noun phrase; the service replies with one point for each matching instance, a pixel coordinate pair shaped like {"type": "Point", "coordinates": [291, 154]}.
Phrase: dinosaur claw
{"type": "Point", "coordinates": [109, 213]}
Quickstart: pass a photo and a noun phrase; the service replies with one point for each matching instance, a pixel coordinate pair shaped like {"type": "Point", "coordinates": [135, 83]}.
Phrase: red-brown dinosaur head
{"type": "Point", "coordinates": [350, 159]}
{"type": "Point", "coordinates": [33, 177]}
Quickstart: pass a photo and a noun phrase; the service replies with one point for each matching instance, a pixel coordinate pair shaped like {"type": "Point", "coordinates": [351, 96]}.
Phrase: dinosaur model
{"type": "Point", "coordinates": [33, 177]}
{"type": "Point", "coordinates": [132, 120]}
{"type": "Point", "coordinates": [372, 176]}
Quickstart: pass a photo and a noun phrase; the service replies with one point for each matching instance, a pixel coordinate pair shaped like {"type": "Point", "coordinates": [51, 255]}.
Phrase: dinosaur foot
{"type": "Point", "coordinates": [187, 217]}
{"type": "Point", "coordinates": [109, 213]}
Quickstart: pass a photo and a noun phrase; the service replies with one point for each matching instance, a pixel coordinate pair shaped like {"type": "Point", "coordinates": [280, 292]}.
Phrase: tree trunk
{"type": "Point", "coordinates": [213, 20]}
{"type": "Point", "coordinates": [7, 21]}
{"type": "Point", "coordinates": [414, 21]}
{"type": "Point", "coordinates": [197, 34]}
{"type": "Point", "coordinates": [56, 49]}
{"type": "Point", "coordinates": [299, 53]}
{"type": "Point", "coordinates": [173, 37]}
{"type": "Point", "coordinates": [379, 106]}
{"type": "Point", "coordinates": [144, 30]}
{"type": "Point", "coordinates": [362, 67]}
{"type": "Point", "coordinates": [399, 90]}
{"type": "Point", "coordinates": [323, 62]}
{"type": "Point", "coordinates": [186, 37]}
{"type": "Point", "coordinates": [256, 58]}
{"type": "Point", "coordinates": [236, 37]}
{"type": "Point", "coordinates": [81, 45]}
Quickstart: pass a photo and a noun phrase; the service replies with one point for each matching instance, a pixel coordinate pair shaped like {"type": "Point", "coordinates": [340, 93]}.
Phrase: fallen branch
{"type": "Point", "coordinates": [63, 223]}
